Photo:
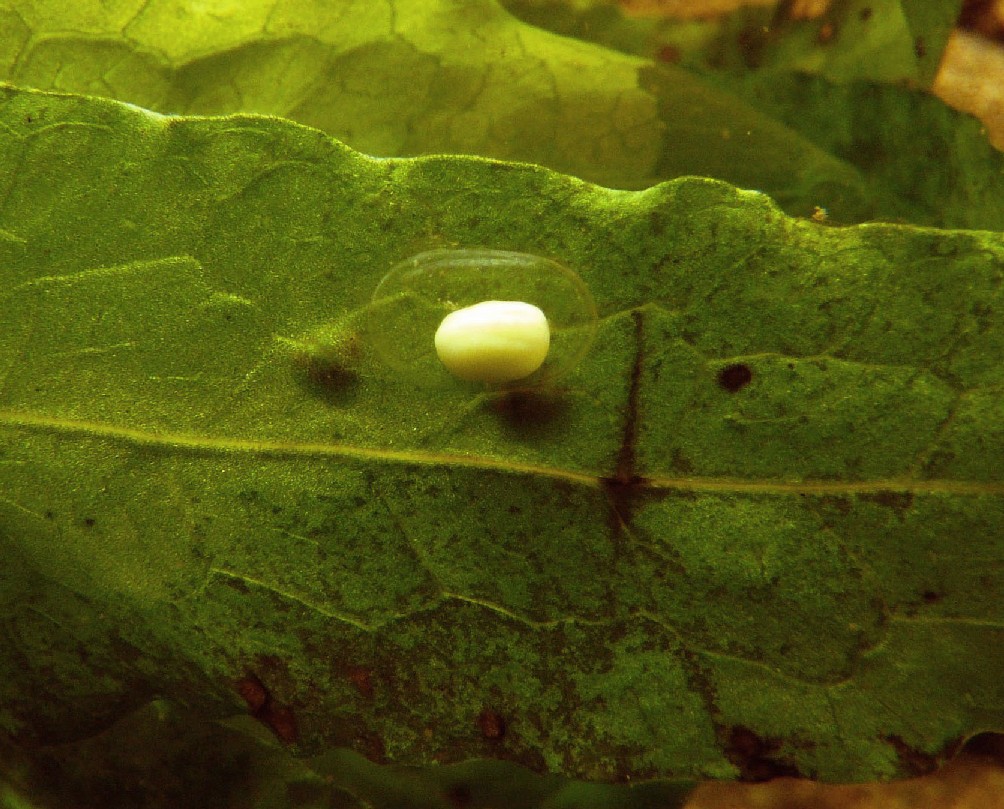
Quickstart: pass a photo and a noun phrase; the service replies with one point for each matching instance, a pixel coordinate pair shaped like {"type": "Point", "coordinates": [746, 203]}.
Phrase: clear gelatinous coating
{"type": "Point", "coordinates": [412, 300]}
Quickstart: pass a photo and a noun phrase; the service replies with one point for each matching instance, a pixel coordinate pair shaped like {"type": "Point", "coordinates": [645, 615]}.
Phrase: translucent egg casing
{"type": "Point", "coordinates": [411, 301]}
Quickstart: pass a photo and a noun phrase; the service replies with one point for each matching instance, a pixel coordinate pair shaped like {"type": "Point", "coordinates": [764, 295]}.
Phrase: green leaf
{"type": "Point", "coordinates": [426, 77]}
{"type": "Point", "coordinates": [889, 41]}
{"type": "Point", "coordinates": [759, 525]}
{"type": "Point", "coordinates": [918, 160]}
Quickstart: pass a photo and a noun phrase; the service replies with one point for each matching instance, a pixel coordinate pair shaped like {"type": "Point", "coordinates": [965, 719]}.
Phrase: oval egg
{"type": "Point", "coordinates": [495, 317]}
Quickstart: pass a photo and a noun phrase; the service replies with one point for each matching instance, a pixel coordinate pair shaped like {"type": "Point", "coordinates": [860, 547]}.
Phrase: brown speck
{"type": "Point", "coordinates": [362, 678]}
{"type": "Point", "coordinates": [253, 692]}
{"type": "Point", "coordinates": [492, 724]}
{"type": "Point", "coordinates": [262, 706]}
{"type": "Point", "coordinates": [668, 54]}
{"type": "Point", "coordinates": [827, 31]}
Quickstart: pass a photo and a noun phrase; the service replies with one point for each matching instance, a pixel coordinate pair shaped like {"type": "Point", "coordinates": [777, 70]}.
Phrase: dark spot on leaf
{"type": "Point", "coordinates": [680, 463]}
{"type": "Point", "coordinates": [491, 724]}
{"type": "Point", "coordinates": [865, 14]}
{"type": "Point", "coordinates": [900, 502]}
{"type": "Point", "coordinates": [751, 42]}
{"type": "Point", "coordinates": [362, 678]}
{"type": "Point", "coordinates": [657, 224]}
{"type": "Point", "coordinates": [253, 692]}
{"type": "Point", "coordinates": [528, 413]}
{"type": "Point", "coordinates": [281, 720]}
{"type": "Point", "coordinates": [920, 47]}
{"type": "Point", "coordinates": [459, 795]}
{"type": "Point", "coordinates": [931, 597]}
{"type": "Point", "coordinates": [262, 706]}
{"type": "Point", "coordinates": [88, 522]}
{"type": "Point", "coordinates": [753, 755]}
{"type": "Point", "coordinates": [329, 379]}
{"type": "Point", "coordinates": [669, 54]}
{"type": "Point", "coordinates": [911, 759]}
{"type": "Point", "coordinates": [49, 515]}
{"type": "Point", "coordinates": [826, 34]}
{"type": "Point", "coordinates": [735, 377]}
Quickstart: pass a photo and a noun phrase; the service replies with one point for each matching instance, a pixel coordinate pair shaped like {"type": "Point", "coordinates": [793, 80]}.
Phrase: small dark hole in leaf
{"type": "Point", "coordinates": [735, 377]}
{"type": "Point", "coordinates": [88, 522]}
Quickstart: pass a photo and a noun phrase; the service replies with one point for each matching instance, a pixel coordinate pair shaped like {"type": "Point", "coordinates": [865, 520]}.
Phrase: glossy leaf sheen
{"type": "Point", "coordinates": [761, 523]}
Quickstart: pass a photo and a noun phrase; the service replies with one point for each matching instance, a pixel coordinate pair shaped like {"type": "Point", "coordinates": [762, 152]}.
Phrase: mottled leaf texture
{"type": "Point", "coordinates": [758, 527]}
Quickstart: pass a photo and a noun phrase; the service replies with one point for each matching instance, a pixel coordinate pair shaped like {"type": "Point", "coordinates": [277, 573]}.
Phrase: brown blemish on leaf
{"type": "Point", "coordinates": [362, 678]}
{"type": "Point", "coordinates": [279, 718]}
{"type": "Point", "coordinates": [827, 33]}
{"type": "Point", "coordinates": [492, 724]}
{"type": "Point", "coordinates": [329, 372]}
{"type": "Point", "coordinates": [282, 722]}
{"type": "Point", "coordinates": [900, 502]}
{"type": "Point", "coordinates": [754, 755]}
{"type": "Point", "coordinates": [253, 693]}
{"type": "Point", "coordinates": [459, 795]}
{"type": "Point", "coordinates": [528, 413]}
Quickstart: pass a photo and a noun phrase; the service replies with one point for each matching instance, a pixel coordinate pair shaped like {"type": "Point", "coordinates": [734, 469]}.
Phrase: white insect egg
{"type": "Point", "coordinates": [491, 317]}
{"type": "Point", "coordinates": [494, 342]}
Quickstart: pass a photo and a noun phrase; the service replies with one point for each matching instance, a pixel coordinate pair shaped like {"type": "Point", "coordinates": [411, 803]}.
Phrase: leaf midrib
{"type": "Point", "coordinates": [225, 445]}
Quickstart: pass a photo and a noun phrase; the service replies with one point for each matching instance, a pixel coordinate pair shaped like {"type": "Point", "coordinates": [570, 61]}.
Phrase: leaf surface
{"type": "Point", "coordinates": [417, 77]}
{"type": "Point", "coordinates": [761, 521]}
